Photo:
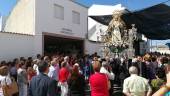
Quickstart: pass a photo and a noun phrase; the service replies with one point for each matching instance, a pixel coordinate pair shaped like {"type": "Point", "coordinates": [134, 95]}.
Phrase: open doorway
{"type": "Point", "coordinates": [53, 45]}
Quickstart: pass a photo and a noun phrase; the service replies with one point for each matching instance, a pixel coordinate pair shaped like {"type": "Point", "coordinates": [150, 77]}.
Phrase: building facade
{"type": "Point", "coordinates": [53, 23]}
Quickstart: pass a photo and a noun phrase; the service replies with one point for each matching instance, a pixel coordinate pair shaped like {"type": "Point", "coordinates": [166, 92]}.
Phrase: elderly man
{"type": "Point", "coordinates": [136, 85]}
{"type": "Point", "coordinates": [53, 73]}
{"type": "Point", "coordinates": [106, 70]}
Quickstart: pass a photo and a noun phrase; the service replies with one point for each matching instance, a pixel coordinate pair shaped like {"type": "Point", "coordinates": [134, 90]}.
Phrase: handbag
{"type": "Point", "coordinates": [6, 89]}
{"type": "Point", "coordinates": [14, 86]}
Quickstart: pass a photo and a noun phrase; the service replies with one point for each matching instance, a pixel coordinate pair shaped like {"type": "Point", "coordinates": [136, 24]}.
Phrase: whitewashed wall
{"type": "Point", "coordinates": [0, 23]}
{"type": "Point", "coordinates": [46, 21]}
{"type": "Point", "coordinates": [15, 45]}
{"type": "Point", "coordinates": [22, 18]}
{"type": "Point", "coordinates": [91, 47]}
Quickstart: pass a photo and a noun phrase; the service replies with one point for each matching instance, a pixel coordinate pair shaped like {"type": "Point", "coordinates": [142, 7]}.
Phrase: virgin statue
{"type": "Point", "coordinates": [115, 28]}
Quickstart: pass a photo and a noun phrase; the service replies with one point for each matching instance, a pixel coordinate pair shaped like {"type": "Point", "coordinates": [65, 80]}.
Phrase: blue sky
{"type": "Point", "coordinates": [130, 4]}
{"type": "Point", "coordinates": [7, 5]}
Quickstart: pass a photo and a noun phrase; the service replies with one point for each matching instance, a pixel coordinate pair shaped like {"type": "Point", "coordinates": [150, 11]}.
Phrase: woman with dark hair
{"type": "Point", "coordinates": [3, 63]}
{"type": "Point", "coordinates": [76, 82]}
{"type": "Point", "coordinates": [99, 82]}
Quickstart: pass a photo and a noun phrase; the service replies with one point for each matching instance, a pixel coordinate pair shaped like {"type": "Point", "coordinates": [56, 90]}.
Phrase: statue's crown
{"type": "Point", "coordinates": [117, 12]}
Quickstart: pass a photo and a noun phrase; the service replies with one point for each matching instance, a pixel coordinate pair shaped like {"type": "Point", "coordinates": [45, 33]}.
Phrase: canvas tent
{"type": "Point", "coordinates": [153, 22]}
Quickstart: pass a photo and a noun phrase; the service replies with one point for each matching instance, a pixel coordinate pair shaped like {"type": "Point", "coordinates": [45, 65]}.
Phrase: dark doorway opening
{"type": "Point", "coordinates": [53, 45]}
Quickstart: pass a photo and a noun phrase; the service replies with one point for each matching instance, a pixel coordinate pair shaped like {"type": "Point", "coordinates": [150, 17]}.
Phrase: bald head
{"type": "Point", "coordinates": [133, 70]}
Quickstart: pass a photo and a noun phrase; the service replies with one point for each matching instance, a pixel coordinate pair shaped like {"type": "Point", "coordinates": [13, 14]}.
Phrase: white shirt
{"type": "Point", "coordinates": [3, 80]}
{"type": "Point", "coordinates": [35, 67]}
{"type": "Point", "coordinates": [136, 85]}
{"type": "Point", "coordinates": [53, 73]}
{"type": "Point", "coordinates": [110, 75]}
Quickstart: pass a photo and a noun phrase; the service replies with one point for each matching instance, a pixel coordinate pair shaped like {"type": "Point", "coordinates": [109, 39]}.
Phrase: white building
{"type": "Point", "coordinates": [0, 23]}
{"type": "Point", "coordinates": [52, 23]}
{"type": "Point", "coordinates": [15, 45]}
{"type": "Point", "coordinates": [164, 49]}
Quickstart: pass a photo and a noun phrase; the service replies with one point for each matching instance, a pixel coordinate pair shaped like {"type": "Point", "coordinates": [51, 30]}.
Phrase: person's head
{"type": "Point", "coordinates": [134, 60]}
{"type": "Point", "coordinates": [66, 58]}
{"type": "Point", "coordinates": [153, 59]}
{"type": "Point", "coordinates": [4, 70]}
{"type": "Point", "coordinates": [63, 64]}
{"type": "Point", "coordinates": [147, 57]}
{"type": "Point", "coordinates": [133, 70]}
{"type": "Point", "coordinates": [96, 66]}
{"type": "Point", "coordinates": [9, 64]}
{"type": "Point", "coordinates": [75, 69]}
{"type": "Point", "coordinates": [38, 56]}
{"type": "Point", "coordinates": [13, 64]}
{"type": "Point", "coordinates": [16, 61]}
{"type": "Point", "coordinates": [95, 59]}
{"type": "Point", "coordinates": [43, 67]}
{"type": "Point", "coordinates": [167, 68]}
{"type": "Point", "coordinates": [56, 59]}
{"type": "Point", "coordinates": [164, 60]}
{"type": "Point", "coordinates": [30, 58]}
{"type": "Point", "coordinates": [53, 63]}
{"type": "Point", "coordinates": [21, 64]}
{"type": "Point", "coordinates": [22, 59]}
{"type": "Point", "coordinates": [160, 73]}
{"type": "Point", "coordinates": [46, 59]}
{"type": "Point", "coordinates": [107, 58]}
{"type": "Point", "coordinates": [139, 58]}
{"type": "Point", "coordinates": [104, 64]}
{"type": "Point", "coordinates": [3, 63]}
{"type": "Point", "coordinates": [95, 54]}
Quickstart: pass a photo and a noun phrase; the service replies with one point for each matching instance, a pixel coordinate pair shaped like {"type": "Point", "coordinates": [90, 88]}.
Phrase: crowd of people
{"type": "Point", "coordinates": [69, 75]}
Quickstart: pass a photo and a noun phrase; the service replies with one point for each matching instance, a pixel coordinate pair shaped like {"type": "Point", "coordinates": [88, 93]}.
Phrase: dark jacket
{"type": "Point", "coordinates": [77, 85]}
{"type": "Point", "coordinates": [42, 85]}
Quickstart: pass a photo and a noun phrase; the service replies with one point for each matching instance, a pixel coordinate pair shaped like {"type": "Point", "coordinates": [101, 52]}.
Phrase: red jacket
{"type": "Point", "coordinates": [99, 85]}
{"type": "Point", "coordinates": [63, 74]}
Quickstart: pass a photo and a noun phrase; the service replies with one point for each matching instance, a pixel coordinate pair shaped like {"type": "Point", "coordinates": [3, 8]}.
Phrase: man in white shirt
{"type": "Point", "coordinates": [136, 85]}
{"type": "Point", "coordinates": [35, 66]}
{"type": "Point", "coordinates": [52, 71]}
{"type": "Point", "coordinates": [104, 69]}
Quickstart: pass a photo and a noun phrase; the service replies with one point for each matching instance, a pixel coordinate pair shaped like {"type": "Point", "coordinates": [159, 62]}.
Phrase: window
{"type": "Point", "coordinates": [59, 12]}
{"type": "Point", "coordinates": [75, 17]}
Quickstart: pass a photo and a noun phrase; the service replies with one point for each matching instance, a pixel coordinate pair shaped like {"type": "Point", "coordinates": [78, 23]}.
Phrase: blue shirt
{"type": "Point", "coordinates": [42, 85]}
{"type": "Point", "coordinates": [167, 94]}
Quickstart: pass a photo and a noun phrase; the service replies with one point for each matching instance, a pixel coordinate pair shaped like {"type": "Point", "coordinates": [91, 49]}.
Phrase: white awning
{"type": "Point", "coordinates": [96, 10]}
